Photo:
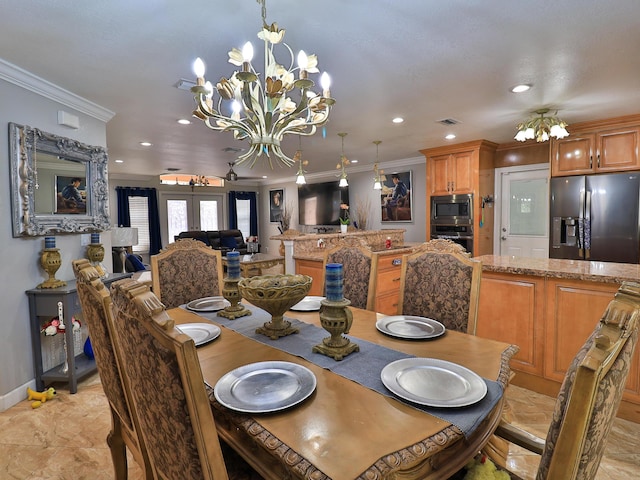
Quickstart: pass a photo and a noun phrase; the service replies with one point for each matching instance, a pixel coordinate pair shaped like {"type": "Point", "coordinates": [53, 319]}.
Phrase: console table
{"type": "Point", "coordinates": [43, 305]}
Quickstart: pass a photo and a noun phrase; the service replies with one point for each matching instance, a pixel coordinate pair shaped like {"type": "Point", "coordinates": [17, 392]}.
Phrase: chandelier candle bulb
{"type": "Point", "coordinates": [334, 282]}
{"type": "Point", "coordinates": [233, 264]}
{"type": "Point", "coordinates": [199, 69]}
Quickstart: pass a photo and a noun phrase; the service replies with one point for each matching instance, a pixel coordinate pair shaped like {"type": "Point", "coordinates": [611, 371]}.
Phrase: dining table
{"type": "Point", "coordinates": [350, 427]}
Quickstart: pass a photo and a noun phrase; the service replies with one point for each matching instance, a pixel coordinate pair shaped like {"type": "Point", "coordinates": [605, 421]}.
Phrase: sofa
{"type": "Point", "coordinates": [223, 240]}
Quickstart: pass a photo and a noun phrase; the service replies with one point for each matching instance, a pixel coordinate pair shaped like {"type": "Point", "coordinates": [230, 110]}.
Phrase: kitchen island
{"type": "Point", "coordinates": [304, 254]}
{"type": "Point", "coordinates": [548, 307]}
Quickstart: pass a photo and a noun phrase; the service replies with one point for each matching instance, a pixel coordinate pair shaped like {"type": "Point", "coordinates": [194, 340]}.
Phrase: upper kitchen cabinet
{"type": "Point", "coordinates": [596, 147]}
{"type": "Point", "coordinates": [451, 173]}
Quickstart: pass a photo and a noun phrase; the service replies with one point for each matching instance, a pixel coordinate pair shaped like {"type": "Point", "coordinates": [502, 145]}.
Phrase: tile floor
{"type": "Point", "coordinates": [64, 439]}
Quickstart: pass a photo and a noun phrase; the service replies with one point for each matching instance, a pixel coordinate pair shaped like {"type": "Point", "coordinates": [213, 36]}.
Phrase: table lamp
{"type": "Point", "coordinates": [121, 239]}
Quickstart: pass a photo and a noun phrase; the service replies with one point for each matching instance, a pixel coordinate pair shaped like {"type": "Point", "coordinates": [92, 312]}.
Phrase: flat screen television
{"type": "Point", "coordinates": [319, 203]}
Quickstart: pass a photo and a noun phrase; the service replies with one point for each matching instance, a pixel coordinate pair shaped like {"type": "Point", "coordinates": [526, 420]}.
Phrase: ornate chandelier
{"type": "Point", "coordinates": [542, 128]}
{"type": "Point", "coordinates": [264, 112]}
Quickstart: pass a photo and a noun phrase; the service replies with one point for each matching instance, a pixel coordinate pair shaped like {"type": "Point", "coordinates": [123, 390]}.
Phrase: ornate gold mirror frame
{"type": "Point", "coordinates": [41, 163]}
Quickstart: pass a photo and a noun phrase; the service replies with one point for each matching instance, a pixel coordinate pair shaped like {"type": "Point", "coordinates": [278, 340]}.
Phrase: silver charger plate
{"type": "Point", "coordinates": [264, 387]}
{"type": "Point", "coordinates": [207, 304]}
{"type": "Point", "coordinates": [407, 326]}
{"type": "Point", "coordinates": [433, 382]}
{"type": "Point", "coordinates": [308, 304]}
{"type": "Point", "coordinates": [200, 332]}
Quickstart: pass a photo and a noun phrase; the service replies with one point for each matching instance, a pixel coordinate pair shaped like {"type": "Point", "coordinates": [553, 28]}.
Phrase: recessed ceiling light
{"type": "Point", "coordinates": [521, 88]}
{"type": "Point", "coordinates": [146, 144]}
{"type": "Point", "coordinates": [398, 120]}
{"type": "Point", "coordinates": [354, 161]}
{"type": "Point", "coordinates": [117, 160]}
{"type": "Point", "coordinates": [264, 176]}
{"type": "Point", "coordinates": [450, 136]}
{"type": "Point", "coordinates": [184, 121]}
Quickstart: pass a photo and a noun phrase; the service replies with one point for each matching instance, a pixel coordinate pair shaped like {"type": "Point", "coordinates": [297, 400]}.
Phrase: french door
{"type": "Point", "coordinates": [183, 212]}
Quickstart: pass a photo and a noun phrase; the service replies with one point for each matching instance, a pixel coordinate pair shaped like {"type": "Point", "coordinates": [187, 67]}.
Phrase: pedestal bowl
{"type": "Point", "coordinates": [275, 294]}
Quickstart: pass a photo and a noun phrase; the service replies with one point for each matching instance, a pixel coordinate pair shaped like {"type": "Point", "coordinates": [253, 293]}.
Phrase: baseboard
{"type": "Point", "coordinates": [15, 396]}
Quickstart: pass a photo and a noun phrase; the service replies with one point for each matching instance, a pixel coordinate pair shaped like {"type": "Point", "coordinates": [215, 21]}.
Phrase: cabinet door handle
{"type": "Point", "coordinates": [590, 161]}
{"type": "Point", "coordinates": [396, 279]}
{"type": "Point", "coordinates": [598, 160]}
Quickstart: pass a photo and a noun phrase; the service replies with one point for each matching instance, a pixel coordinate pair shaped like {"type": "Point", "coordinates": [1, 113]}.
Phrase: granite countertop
{"type": "Point", "coordinates": [605, 272]}
{"type": "Point", "coordinates": [318, 253]}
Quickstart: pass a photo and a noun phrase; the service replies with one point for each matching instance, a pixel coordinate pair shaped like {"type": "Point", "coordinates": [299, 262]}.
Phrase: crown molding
{"type": "Point", "coordinates": [16, 75]}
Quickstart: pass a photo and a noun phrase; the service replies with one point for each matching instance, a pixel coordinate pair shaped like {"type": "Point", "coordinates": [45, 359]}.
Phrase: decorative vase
{"type": "Point", "coordinates": [343, 227]}
{"type": "Point", "coordinates": [336, 319]}
{"type": "Point", "coordinates": [50, 260]}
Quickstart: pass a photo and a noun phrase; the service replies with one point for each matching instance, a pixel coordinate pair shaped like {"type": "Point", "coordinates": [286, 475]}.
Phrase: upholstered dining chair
{"type": "Point", "coordinates": [96, 307]}
{"type": "Point", "coordinates": [358, 267]}
{"type": "Point", "coordinates": [589, 396]}
{"type": "Point", "coordinates": [440, 281]}
{"type": "Point", "coordinates": [169, 392]}
{"type": "Point", "coordinates": [186, 270]}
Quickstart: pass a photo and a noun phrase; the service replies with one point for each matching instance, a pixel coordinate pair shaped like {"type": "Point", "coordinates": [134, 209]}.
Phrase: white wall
{"type": "Point", "coordinates": [20, 267]}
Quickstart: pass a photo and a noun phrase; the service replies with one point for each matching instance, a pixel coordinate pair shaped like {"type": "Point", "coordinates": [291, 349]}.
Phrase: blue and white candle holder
{"type": "Point", "coordinates": [95, 238]}
{"type": "Point", "coordinates": [233, 264]}
{"type": "Point", "coordinates": [49, 242]}
{"type": "Point", "coordinates": [334, 281]}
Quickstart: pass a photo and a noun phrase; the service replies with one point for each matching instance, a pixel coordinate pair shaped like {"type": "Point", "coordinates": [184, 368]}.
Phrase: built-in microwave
{"type": "Point", "coordinates": [452, 209]}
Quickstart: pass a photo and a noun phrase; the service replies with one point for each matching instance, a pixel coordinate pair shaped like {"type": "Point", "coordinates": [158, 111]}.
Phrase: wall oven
{"type": "Point", "coordinates": [460, 234]}
{"type": "Point", "coordinates": [452, 209]}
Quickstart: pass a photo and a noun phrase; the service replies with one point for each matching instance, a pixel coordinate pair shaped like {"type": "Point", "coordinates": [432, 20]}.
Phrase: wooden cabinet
{"type": "Point", "coordinates": [549, 319]}
{"type": "Point", "coordinates": [313, 268]}
{"type": "Point", "coordinates": [451, 174]}
{"type": "Point", "coordinates": [598, 147]}
{"type": "Point", "coordinates": [463, 168]}
{"type": "Point", "coordinates": [510, 309]}
{"type": "Point", "coordinates": [387, 291]}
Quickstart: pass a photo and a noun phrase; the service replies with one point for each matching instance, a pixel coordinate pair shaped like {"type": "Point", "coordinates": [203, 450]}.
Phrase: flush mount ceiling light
{"type": "Point", "coordinates": [342, 165]}
{"type": "Point", "coordinates": [523, 87]}
{"type": "Point", "coordinates": [379, 174]}
{"type": "Point", "coordinates": [542, 127]}
{"type": "Point", "coordinates": [263, 113]}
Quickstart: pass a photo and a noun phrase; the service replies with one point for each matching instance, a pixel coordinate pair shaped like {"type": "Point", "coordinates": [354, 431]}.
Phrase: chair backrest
{"type": "Point", "coordinates": [186, 270]}
{"type": "Point", "coordinates": [170, 398]}
{"type": "Point", "coordinates": [358, 267]}
{"type": "Point", "coordinates": [96, 308]}
{"type": "Point", "coordinates": [440, 281]}
{"type": "Point", "coordinates": [591, 392]}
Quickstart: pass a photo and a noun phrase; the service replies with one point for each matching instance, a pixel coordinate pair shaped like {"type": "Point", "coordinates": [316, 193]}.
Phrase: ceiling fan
{"type": "Point", "coordinates": [232, 176]}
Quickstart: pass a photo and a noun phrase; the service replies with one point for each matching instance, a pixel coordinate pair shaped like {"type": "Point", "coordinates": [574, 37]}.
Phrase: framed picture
{"type": "Point", "coordinates": [276, 205]}
{"type": "Point", "coordinates": [395, 197]}
{"type": "Point", "coordinates": [71, 194]}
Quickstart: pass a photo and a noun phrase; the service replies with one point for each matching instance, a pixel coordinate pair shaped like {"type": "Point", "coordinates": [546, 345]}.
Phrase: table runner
{"type": "Point", "coordinates": [363, 367]}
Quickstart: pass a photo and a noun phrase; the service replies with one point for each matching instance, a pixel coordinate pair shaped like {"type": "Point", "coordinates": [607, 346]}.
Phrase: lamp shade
{"type": "Point", "coordinates": [124, 236]}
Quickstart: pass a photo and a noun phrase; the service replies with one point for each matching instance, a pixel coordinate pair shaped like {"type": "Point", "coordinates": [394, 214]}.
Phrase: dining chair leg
{"type": "Point", "coordinates": [118, 448]}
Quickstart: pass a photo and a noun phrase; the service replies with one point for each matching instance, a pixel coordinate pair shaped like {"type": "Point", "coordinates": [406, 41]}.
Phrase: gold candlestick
{"type": "Point", "coordinates": [51, 260]}
{"type": "Point", "coordinates": [95, 254]}
{"type": "Point", "coordinates": [336, 318]}
{"type": "Point", "coordinates": [231, 293]}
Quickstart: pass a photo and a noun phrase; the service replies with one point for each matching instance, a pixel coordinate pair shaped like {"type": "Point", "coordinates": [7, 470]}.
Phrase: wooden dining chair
{"type": "Point", "coordinates": [169, 393]}
{"type": "Point", "coordinates": [589, 397]}
{"type": "Point", "coordinates": [358, 266]}
{"type": "Point", "coordinates": [186, 270]}
{"type": "Point", "coordinates": [96, 308]}
{"type": "Point", "coordinates": [440, 281]}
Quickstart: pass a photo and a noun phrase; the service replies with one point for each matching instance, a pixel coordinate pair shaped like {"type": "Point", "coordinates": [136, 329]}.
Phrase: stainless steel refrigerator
{"type": "Point", "coordinates": [596, 217]}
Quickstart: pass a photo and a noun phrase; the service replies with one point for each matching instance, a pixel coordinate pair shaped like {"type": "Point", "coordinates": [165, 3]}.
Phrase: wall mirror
{"type": "Point", "coordinates": [58, 185]}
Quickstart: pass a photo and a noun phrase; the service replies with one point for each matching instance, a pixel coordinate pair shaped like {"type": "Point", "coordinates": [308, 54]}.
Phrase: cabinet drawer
{"type": "Point", "coordinates": [389, 262]}
{"type": "Point", "coordinates": [47, 305]}
{"type": "Point", "coordinates": [388, 281]}
{"type": "Point", "coordinates": [388, 303]}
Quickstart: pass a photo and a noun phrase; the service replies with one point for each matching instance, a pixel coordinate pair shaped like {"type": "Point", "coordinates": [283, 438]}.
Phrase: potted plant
{"type": "Point", "coordinates": [344, 217]}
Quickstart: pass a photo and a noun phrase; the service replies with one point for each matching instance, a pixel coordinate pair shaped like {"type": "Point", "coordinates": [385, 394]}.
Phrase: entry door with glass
{"type": "Point", "coordinates": [524, 212]}
{"type": "Point", "coordinates": [191, 212]}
